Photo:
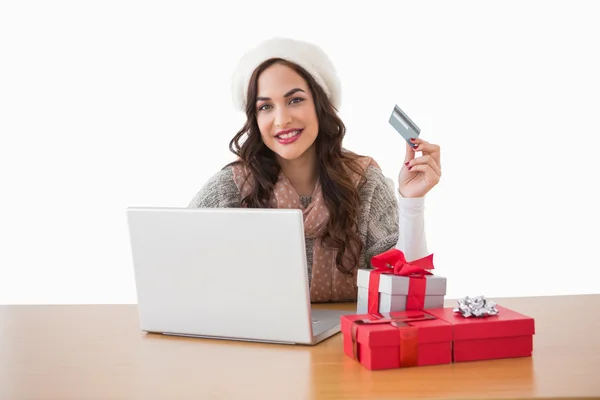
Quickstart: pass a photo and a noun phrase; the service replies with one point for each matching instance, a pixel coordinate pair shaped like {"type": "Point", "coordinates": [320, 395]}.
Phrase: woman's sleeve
{"type": "Point", "coordinates": [381, 217]}
{"type": "Point", "coordinates": [412, 240]}
{"type": "Point", "coordinates": [220, 191]}
{"type": "Point", "coordinates": [394, 221]}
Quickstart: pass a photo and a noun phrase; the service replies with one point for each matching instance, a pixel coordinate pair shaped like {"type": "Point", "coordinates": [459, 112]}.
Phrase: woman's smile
{"type": "Point", "coordinates": [288, 136]}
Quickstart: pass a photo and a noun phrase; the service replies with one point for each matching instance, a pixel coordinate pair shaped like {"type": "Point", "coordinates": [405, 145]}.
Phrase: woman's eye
{"type": "Point", "coordinates": [295, 100]}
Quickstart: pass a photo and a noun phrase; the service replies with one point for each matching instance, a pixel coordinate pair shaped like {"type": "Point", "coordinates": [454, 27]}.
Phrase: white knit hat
{"type": "Point", "coordinates": [310, 57]}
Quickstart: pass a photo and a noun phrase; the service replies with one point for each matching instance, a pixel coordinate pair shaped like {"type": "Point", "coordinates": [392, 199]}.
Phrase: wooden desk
{"type": "Point", "coordinates": [98, 352]}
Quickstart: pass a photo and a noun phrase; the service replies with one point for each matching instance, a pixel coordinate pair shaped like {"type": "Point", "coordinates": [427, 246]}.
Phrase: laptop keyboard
{"type": "Point", "coordinates": [318, 327]}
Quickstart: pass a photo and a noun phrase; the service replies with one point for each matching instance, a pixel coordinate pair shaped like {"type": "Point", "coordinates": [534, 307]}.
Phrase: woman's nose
{"type": "Point", "coordinates": [282, 117]}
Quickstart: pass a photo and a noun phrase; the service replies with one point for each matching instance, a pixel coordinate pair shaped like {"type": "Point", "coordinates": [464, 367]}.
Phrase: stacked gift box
{"type": "Point", "coordinates": [401, 320]}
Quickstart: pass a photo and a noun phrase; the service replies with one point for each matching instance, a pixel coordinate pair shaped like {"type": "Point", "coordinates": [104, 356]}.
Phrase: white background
{"type": "Point", "coordinates": [105, 105]}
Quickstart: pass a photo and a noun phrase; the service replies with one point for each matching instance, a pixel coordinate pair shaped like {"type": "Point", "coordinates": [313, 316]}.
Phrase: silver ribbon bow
{"type": "Point", "coordinates": [476, 307]}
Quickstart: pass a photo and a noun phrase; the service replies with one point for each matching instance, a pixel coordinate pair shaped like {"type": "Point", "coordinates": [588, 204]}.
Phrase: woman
{"type": "Point", "coordinates": [290, 155]}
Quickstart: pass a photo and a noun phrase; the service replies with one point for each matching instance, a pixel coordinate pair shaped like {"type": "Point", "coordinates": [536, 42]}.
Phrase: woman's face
{"type": "Point", "coordinates": [285, 112]}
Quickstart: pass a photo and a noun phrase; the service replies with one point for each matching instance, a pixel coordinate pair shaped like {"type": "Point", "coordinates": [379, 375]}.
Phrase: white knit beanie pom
{"type": "Point", "coordinates": [309, 56]}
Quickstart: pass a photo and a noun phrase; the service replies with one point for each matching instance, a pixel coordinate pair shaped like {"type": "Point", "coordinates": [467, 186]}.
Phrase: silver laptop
{"type": "Point", "coordinates": [226, 273]}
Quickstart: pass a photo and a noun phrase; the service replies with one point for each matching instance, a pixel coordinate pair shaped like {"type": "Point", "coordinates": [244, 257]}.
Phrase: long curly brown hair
{"type": "Point", "coordinates": [339, 193]}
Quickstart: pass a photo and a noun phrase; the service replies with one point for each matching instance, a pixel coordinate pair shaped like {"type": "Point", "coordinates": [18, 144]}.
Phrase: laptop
{"type": "Point", "coordinates": [225, 273]}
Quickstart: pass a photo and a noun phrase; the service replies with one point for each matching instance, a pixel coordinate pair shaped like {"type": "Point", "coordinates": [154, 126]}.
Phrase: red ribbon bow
{"type": "Point", "coordinates": [394, 262]}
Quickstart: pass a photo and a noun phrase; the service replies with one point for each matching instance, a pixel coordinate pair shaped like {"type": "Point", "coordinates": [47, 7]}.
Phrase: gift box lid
{"type": "Point", "coordinates": [398, 285]}
{"type": "Point", "coordinates": [385, 335]}
{"type": "Point", "coordinates": [507, 323]}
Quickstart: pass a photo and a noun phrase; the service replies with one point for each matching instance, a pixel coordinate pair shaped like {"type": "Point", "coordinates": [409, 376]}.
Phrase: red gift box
{"type": "Point", "coordinates": [397, 340]}
{"type": "Point", "coordinates": [504, 335]}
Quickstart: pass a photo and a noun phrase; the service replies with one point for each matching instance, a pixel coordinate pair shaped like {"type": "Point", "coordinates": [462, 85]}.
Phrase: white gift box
{"type": "Point", "coordinates": [393, 291]}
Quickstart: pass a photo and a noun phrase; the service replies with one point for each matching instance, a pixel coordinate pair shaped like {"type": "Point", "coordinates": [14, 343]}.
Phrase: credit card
{"type": "Point", "coordinates": [404, 125]}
